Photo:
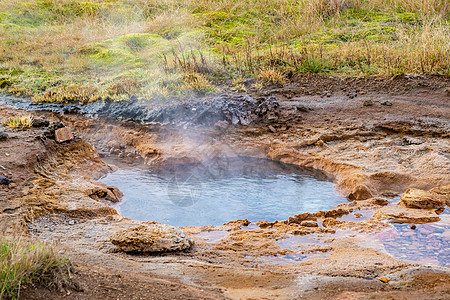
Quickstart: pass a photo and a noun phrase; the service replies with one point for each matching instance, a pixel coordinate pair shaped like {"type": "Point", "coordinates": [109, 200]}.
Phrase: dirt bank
{"type": "Point", "coordinates": [375, 146]}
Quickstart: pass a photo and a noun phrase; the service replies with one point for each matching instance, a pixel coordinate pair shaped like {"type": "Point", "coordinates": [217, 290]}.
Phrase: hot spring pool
{"type": "Point", "coordinates": [222, 190]}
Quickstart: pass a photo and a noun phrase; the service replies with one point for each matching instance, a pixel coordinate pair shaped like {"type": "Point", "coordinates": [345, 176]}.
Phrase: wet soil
{"type": "Point", "coordinates": [373, 152]}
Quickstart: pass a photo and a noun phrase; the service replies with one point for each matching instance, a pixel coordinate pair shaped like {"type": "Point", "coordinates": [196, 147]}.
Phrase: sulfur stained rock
{"type": "Point", "coordinates": [151, 238]}
{"type": "Point", "coordinates": [104, 192]}
{"type": "Point", "coordinates": [360, 192]}
{"type": "Point", "coordinates": [400, 214]}
{"type": "Point", "coordinates": [415, 198]}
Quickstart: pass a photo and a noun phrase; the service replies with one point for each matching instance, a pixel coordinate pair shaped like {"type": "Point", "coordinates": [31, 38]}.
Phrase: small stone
{"type": "Point", "coordinates": [272, 129]}
{"type": "Point", "coordinates": [352, 95]}
{"type": "Point", "coordinates": [383, 279]}
{"type": "Point", "coordinates": [63, 135]}
{"type": "Point", "coordinates": [61, 252]}
{"type": "Point", "coordinates": [151, 238]}
{"type": "Point", "coordinates": [368, 102]}
{"type": "Point", "coordinates": [413, 226]}
{"type": "Point", "coordinates": [320, 143]}
{"type": "Point", "coordinates": [71, 222]}
{"type": "Point", "coordinates": [3, 136]}
{"type": "Point", "coordinates": [4, 180]}
{"type": "Point", "coordinates": [386, 103]}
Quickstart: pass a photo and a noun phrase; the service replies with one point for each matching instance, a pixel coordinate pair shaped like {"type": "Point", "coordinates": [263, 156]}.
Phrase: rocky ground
{"type": "Point", "coordinates": [381, 140]}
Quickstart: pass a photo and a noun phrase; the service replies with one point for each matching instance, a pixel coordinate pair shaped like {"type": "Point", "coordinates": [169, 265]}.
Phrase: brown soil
{"type": "Point", "coordinates": [370, 150]}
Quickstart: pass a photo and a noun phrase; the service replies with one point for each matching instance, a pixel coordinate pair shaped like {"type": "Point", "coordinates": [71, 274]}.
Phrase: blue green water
{"type": "Point", "coordinates": [222, 190]}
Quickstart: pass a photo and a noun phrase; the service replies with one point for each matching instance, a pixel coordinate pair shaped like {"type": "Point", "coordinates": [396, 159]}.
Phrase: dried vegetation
{"type": "Point", "coordinates": [72, 50]}
{"type": "Point", "coordinates": [24, 262]}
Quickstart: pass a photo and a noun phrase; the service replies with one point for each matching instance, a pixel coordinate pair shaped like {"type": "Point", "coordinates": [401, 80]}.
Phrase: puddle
{"type": "Point", "coordinates": [212, 236]}
{"type": "Point", "coordinates": [251, 226]}
{"type": "Point", "coordinates": [427, 244]}
{"type": "Point", "coordinates": [293, 258]}
{"type": "Point", "coordinates": [222, 190]}
{"type": "Point", "coordinates": [357, 215]}
{"type": "Point", "coordinates": [296, 242]}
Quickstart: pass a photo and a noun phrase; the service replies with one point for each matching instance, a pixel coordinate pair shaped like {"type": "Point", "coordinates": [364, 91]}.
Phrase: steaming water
{"type": "Point", "coordinates": [221, 191]}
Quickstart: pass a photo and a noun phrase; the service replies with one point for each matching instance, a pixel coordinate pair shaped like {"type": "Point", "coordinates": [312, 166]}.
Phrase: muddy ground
{"type": "Point", "coordinates": [375, 138]}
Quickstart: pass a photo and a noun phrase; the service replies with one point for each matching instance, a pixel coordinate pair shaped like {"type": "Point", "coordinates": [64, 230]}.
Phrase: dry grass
{"type": "Point", "coordinates": [271, 76]}
{"type": "Point", "coordinates": [73, 50]}
{"type": "Point", "coordinates": [24, 262]}
{"type": "Point", "coordinates": [19, 122]}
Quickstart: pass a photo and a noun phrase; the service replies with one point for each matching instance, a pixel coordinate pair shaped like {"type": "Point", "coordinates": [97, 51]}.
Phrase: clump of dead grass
{"type": "Point", "coordinates": [19, 122]}
{"type": "Point", "coordinates": [271, 76]}
{"type": "Point", "coordinates": [24, 262]}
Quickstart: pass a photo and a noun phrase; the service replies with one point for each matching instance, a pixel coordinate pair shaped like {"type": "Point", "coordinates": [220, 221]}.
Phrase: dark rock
{"type": "Point", "coordinates": [352, 95]}
{"type": "Point", "coordinates": [412, 226]}
{"type": "Point", "coordinates": [3, 136]}
{"type": "Point", "coordinates": [235, 109]}
{"type": "Point", "coordinates": [4, 180]}
{"type": "Point", "coordinates": [386, 103]}
{"type": "Point", "coordinates": [40, 122]}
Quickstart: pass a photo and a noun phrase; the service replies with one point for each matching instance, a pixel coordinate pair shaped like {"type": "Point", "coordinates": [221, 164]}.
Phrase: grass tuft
{"type": "Point", "coordinates": [19, 122]}
{"type": "Point", "coordinates": [24, 262]}
{"type": "Point", "coordinates": [271, 76]}
{"type": "Point", "coordinates": [198, 83]}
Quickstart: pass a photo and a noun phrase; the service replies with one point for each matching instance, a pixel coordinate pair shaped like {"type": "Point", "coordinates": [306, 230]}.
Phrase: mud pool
{"type": "Point", "coordinates": [221, 190]}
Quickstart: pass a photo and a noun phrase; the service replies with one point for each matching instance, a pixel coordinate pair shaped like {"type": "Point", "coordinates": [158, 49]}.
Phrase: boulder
{"type": "Point", "coordinates": [400, 214]}
{"type": "Point", "coordinates": [151, 238]}
{"type": "Point", "coordinates": [415, 198]}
